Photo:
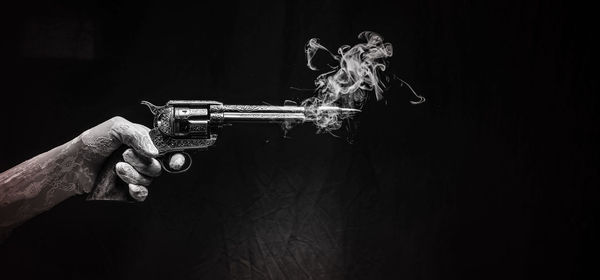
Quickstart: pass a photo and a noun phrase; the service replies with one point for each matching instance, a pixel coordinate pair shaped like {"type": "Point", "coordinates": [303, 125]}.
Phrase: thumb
{"type": "Point", "coordinates": [134, 135]}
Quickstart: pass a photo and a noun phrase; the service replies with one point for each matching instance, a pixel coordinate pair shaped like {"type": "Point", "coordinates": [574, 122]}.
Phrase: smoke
{"type": "Point", "coordinates": [348, 83]}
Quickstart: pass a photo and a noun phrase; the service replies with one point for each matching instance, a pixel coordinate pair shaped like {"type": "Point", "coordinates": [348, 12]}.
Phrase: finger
{"type": "Point", "coordinates": [135, 136]}
{"type": "Point", "coordinates": [147, 166]}
{"type": "Point", "coordinates": [177, 161]}
{"type": "Point", "coordinates": [128, 174]}
{"type": "Point", "coordinates": [138, 193]}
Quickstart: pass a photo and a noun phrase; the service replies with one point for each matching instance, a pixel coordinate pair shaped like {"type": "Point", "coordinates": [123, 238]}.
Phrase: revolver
{"type": "Point", "coordinates": [184, 126]}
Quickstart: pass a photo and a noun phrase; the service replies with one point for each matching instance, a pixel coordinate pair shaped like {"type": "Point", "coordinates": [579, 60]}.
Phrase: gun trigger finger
{"type": "Point", "coordinates": [147, 166]}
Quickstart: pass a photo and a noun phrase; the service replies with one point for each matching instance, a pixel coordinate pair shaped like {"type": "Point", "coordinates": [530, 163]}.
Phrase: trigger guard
{"type": "Point", "coordinates": [164, 162]}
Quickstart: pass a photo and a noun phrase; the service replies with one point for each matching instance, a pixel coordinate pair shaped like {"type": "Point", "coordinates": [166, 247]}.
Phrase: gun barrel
{"type": "Point", "coordinates": [263, 117]}
{"type": "Point", "coordinates": [262, 109]}
{"type": "Point", "coordinates": [266, 113]}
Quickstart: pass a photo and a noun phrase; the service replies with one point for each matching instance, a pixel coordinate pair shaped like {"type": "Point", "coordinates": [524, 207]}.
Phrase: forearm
{"type": "Point", "coordinates": [42, 182]}
{"type": "Point", "coordinates": [38, 184]}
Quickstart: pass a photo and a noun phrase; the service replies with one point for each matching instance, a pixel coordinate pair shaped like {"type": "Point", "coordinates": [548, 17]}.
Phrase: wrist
{"type": "Point", "coordinates": [86, 157]}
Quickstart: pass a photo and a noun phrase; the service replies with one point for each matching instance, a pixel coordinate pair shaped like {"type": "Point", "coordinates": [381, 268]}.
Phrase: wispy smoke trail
{"type": "Point", "coordinates": [348, 83]}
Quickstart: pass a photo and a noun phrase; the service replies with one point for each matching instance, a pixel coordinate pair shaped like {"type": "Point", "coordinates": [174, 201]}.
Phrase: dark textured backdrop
{"type": "Point", "coordinates": [494, 177]}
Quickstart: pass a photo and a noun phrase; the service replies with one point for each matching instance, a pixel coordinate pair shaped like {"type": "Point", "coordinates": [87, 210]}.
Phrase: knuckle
{"type": "Point", "coordinates": [143, 128]}
{"type": "Point", "coordinates": [118, 119]}
{"type": "Point", "coordinates": [119, 128]}
{"type": "Point", "coordinates": [128, 154]}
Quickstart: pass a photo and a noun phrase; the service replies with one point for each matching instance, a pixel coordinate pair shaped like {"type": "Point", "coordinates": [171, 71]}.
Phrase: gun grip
{"type": "Point", "coordinates": [108, 185]}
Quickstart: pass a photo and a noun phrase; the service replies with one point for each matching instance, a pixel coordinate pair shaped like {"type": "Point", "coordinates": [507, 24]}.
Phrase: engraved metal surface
{"type": "Point", "coordinates": [263, 117]}
{"type": "Point", "coordinates": [166, 144]}
{"type": "Point", "coordinates": [163, 120]}
{"type": "Point", "coordinates": [263, 108]}
{"type": "Point", "coordinates": [192, 102]}
{"type": "Point", "coordinates": [179, 132]}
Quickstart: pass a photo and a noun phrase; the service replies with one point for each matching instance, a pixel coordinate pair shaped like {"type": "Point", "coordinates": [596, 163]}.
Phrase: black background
{"type": "Point", "coordinates": [494, 177]}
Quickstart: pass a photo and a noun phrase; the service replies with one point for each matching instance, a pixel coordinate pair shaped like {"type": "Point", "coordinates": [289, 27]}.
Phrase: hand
{"type": "Point", "coordinates": [138, 165]}
{"type": "Point", "coordinates": [36, 185]}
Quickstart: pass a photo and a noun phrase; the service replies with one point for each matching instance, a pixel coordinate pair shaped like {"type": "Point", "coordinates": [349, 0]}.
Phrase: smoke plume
{"type": "Point", "coordinates": [348, 83]}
